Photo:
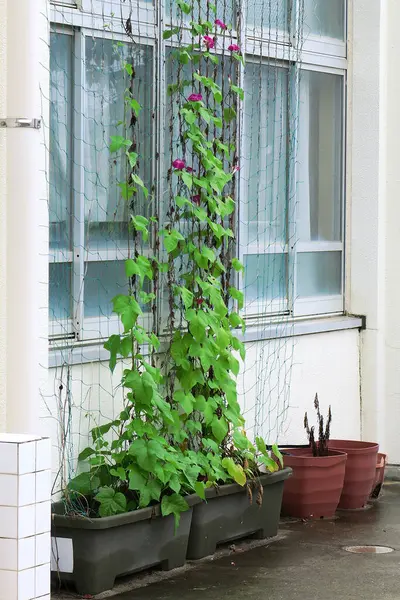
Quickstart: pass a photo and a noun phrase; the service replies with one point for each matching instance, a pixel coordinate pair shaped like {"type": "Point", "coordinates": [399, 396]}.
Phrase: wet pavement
{"type": "Point", "coordinates": [308, 562]}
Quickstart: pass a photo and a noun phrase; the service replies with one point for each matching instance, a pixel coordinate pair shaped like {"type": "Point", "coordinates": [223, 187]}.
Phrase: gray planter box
{"type": "Point", "coordinates": [228, 515]}
{"type": "Point", "coordinates": [106, 548]}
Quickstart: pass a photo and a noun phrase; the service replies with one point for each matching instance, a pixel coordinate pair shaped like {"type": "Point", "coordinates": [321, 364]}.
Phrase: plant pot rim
{"type": "Point", "coordinates": [306, 459]}
{"type": "Point", "coordinates": [233, 488]}
{"type": "Point", "coordinates": [134, 516]}
{"type": "Point", "coordinates": [354, 446]}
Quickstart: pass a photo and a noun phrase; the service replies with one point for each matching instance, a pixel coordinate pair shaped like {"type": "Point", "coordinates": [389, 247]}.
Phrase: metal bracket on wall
{"type": "Point", "coordinates": [22, 123]}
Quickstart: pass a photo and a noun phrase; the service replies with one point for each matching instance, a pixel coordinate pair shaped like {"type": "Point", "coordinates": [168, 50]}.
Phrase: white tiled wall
{"type": "Point", "coordinates": [25, 517]}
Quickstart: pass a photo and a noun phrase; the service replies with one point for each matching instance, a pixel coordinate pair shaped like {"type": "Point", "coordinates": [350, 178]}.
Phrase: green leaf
{"type": "Point", "coordinates": [229, 114]}
{"type": "Point", "coordinates": [170, 32]}
{"type": "Point", "coordinates": [187, 297]}
{"type": "Point", "coordinates": [200, 489]}
{"type": "Point", "coordinates": [132, 157]}
{"type": "Point", "coordinates": [234, 470]}
{"type": "Point", "coordinates": [85, 454]}
{"type": "Point", "coordinates": [184, 7]}
{"type": "Point", "coordinates": [119, 472]}
{"type": "Point", "coordinates": [184, 400]}
{"type": "Point", "coordinates": [135, 106]}
{"type": "Point", "coordinates": [238, 91]}
{"type": "Point", "coordinates": [237, 295]}
{"type": "Point", "coordinates": [144, 454]}
{"type": "Point", "coordinates": [154, 489]}
{"type": "Point", "coordinates": [140, 224]}
{"type": "Point", "coordinates": [136, 480]}
{"type": "Point", "coordinates": [241, 441]}
{"type": "Point", "coordinates": [113, 345]}
{"type": "Point", "coordinates": [219, 428]}
{"type": "Point", "coordinates": [136, 179]}
{"type": "Point", "coordinates": [85, 483]}
{"type": "Point", "coordinates": [237, 265]}
{"type": "Point", "coordinates": [128, 310]}
{"type": "Point", "coordinates": [261, 447]}
{"type": "Point", "coordinates": [174, 505]}
{"type": "Point", "coordinates": [118, 142]}
{"type": "Point", "coordinates": [187, 179]}
{"type": "Point", "coordinates": [111, 502]}
{"type": "Point", "coordinates": [278, 454]}
{"type": "Point", "coordinates": [174, 483]}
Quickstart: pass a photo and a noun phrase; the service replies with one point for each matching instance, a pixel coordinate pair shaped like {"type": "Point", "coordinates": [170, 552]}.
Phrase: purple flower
{"type": "Point", "coordinates": [196, 199]}
{"type": "Point", "coordinates": [195, 98]}
{"type": "Point", "coordinates": [178, 164]}
{"type": "Point", "coordinates": [209, 41]}
{"type": "Point", "coordinates": [234, 48]}
{"type": "Point", "coordinates": [220, 23]}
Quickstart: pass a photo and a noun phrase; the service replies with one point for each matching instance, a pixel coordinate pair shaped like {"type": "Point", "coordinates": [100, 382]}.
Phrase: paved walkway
{"type": "Point", "coordinates": [308, 562]}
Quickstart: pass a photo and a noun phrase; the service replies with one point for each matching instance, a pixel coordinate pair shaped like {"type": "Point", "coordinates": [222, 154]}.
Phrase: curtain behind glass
{"type": "Point", "coordinates": [60, 140]}
{"type": "Point", "coordinates": [263, 203]}
{"type": "Point", "coordinates": [106, 212]}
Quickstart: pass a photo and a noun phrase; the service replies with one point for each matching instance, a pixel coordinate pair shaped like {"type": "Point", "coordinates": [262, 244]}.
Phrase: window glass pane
{"type": "Point", "coordinates": [103, 281]}
{"type": "Point", "coordinates": [325, 18]}
{"type": "Point", "coordinates": [319, 273]}
{"type": "Point", "coordinates": [267, 14]}
{"type": "Point", "coordinates": [60, 140]}
{"type": "Point", "coordinates": [265, 279]}
{"type": "Point", "coordinates": [60, 291]}
{"type": "Point", "coordinates": [106, 213]}
{"type": "Point", "coordinates": [263, 186]}
{"type": "Point", "coordinates": [319, 160]}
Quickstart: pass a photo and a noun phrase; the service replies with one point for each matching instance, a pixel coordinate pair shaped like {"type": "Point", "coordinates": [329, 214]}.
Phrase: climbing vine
{"type": "Point", "coordinates": [181, 428]}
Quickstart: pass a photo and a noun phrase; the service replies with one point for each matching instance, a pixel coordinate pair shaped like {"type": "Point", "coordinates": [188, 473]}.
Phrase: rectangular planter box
{"type": "Point", "coordinates": [228, 515]}
{"type": "Point", "coordinates": [105, 548]}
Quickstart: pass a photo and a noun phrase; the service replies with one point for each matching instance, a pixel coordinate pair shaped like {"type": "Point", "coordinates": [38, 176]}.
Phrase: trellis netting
{"type": "Point", "coordinates": [89, 232]}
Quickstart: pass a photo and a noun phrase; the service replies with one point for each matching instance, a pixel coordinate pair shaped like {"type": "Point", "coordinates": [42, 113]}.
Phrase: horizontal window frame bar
{"type": "Point", "coordinates": [81, 353]}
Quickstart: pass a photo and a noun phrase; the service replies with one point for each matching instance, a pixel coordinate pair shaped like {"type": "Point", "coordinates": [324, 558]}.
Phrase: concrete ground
{"type": "Point", "coordinates": [307, 562]}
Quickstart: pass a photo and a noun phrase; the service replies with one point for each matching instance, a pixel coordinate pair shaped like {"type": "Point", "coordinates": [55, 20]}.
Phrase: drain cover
{"type": "Point", "coordinates": [368, 549]}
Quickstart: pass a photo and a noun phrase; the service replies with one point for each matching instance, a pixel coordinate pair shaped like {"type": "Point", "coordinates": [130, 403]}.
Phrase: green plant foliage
{"type": "Point", "coordinates": [181, 428]}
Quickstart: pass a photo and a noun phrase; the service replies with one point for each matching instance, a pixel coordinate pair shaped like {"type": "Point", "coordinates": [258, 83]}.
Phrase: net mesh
{"type": "Point", "coordinates": [88, 224]}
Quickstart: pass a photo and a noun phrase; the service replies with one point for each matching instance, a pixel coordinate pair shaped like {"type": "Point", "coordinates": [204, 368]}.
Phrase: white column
{"type": "Point", "coordinates": [25, 521]}
{"type": "Point", "coordinates": [23, 217]}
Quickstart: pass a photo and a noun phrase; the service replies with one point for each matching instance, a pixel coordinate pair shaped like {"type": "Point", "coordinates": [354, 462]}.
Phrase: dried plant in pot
{"type": "Point", "coordinates": [318, 473]}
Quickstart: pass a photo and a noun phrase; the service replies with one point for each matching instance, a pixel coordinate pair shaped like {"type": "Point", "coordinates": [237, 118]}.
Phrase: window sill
{"type": "Point", "coordinates": [80, 353]}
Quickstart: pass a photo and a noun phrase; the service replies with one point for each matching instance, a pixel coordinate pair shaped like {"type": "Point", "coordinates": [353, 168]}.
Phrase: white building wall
{"type": "Point", "coordinates": [85, 395]}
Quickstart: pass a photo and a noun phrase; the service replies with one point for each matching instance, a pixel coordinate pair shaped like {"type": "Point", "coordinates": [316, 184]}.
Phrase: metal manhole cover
{"type": "Point", "coordinates": [368, 549]}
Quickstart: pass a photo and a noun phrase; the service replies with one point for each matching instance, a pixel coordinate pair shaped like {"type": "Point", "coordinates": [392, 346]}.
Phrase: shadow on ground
{"type": "Point", "coordinates": [308, 562]}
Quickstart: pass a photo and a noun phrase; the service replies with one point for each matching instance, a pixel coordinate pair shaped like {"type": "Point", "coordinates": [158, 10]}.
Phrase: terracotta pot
{"type": "Point", "coordinates": [379, 475]}
{"type": "Point", "coordinates": [360, 471]}
{"type": "Point", "coordinates": [314, 489]}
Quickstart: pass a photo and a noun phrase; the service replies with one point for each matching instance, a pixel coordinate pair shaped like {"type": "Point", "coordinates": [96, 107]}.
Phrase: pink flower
{"type": "Point", "coordinates": [178, 164]}
{"type": "Point", "coordinates": [209, 41]}
{"type": "Point", "coordinates": [195, 98]}
{"type": "Point", "coordinates": [235, 168]}
{"type": "Point", "coordinates": [234, 48]}
{"type": "Point", "coordinates": [199, 301]}
{"type": "Point", "coordinates": [220, 24]}
{"type": "Point", "coordinates": [189, 169]}
{"type": "Point", "coordinates": [196, 199]}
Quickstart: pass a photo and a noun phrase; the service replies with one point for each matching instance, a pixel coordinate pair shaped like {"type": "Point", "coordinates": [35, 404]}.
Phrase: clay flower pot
{"type": "Point", "coordinates": [314, 489]}
{"type": "Point", "coordinates": [360, 471]}
{"type": "Point", "coordinates": [379, 475]}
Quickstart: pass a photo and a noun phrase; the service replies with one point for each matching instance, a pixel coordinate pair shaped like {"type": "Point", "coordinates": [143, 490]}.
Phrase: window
{"type": "Point", "coordinates": [291, 186]}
